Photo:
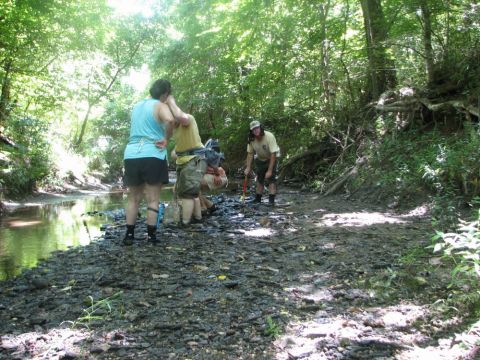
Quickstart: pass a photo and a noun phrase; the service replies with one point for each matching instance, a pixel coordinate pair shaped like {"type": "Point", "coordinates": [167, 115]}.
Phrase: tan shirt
{"type": "Point", "coordinates": [264, 147]}
{"type": "Point", "coordinates": [187, 138]}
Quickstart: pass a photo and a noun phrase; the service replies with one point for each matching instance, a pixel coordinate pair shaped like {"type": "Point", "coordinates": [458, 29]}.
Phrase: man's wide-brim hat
{"type": "Point", "coordinates": [254, 124]}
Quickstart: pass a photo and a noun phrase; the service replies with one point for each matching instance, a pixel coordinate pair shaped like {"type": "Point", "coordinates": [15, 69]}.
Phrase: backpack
{"type": "Point", "coordinates": [213, 156]}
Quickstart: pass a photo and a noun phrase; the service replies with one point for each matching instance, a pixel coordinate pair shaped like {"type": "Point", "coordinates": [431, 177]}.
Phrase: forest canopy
{"type": "Point", "coordinates": [330, 79]}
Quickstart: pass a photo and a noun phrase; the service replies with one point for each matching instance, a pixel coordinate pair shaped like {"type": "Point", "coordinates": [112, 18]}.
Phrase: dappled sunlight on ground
{"type": "Point", "coordinates": [358, 219]}
{"type": "Point", "coordinates": [259, 232]}
{"type": "Point", "coordinates": [343, 320]}
{"type": "Point", "coordinates": [418, 211]}
{"type": "Point", "coordinates": [67, 340]}
{"type": "Point", "coordinates": [356, 329]}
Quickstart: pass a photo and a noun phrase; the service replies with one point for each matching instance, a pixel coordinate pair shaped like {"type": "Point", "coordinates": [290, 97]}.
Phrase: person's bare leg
{"type": "Point", "coordinates": [259, 188]}
{"type": "Point", "coordinates": [187, 210]}
{"type": "Point", "coordinates": [135, 195]}
{"type": "Point", "coordinates": [206, 204]}
{"type": "Point", "coordinates": [272, 188]}
{"type": "Point", "coordinates": [152, 194]}
{"type": "Point", "coordinates": [197, 209]}
{"type": "Point", "coordinates": [203, 204]}
{"type": "Point", "coordinates": [259, 192]}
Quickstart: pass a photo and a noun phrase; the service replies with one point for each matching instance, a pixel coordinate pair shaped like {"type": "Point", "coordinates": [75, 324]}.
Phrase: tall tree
{"type": "Point", "coordinates": [122, 52]}
{"type": "Point", "coordinates": [380, 69]}
{"type": "Point", "coordinates": [35, 33]}
{"type": "Point", "coordinates": [427, 39]}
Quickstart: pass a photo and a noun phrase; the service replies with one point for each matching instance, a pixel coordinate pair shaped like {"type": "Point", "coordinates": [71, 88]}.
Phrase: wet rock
{"type": "Point", "coordinates": [40, 283]}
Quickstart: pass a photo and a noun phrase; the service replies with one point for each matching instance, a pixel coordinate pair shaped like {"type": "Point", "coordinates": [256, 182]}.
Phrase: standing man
{"type": "Point", "coordinates": [264, 145]}
{"type": "Point", "coordinates": [145, 156]}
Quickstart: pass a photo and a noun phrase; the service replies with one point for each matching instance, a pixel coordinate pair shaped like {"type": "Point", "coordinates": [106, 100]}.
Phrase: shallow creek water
{"type": "Point", "coordinates": [30, 234]}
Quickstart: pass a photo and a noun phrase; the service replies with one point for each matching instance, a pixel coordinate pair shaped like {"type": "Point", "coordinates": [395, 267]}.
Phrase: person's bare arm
{"type": "Point", "coordinates": [248, 163]}
{"type": "Point", "coordinates": [164, 115]}
{"type": "Point", "coordinates": [179, 115]}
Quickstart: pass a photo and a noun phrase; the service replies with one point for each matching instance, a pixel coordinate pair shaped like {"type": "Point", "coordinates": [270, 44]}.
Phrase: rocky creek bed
{"type": "Point", "coordinates": [312, 278]}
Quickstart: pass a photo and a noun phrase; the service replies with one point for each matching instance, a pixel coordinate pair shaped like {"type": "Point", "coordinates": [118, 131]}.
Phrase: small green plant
{"type": "Point", "coordinates": [413, 256]}
{"type": "Point", "coordinates": [97, 310]}
{"type": "Point", "coordinates": [271, 327]}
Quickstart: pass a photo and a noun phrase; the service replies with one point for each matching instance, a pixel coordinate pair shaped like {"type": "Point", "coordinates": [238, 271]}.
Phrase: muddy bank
{"type": "Point", "coordinates": [312, 278]}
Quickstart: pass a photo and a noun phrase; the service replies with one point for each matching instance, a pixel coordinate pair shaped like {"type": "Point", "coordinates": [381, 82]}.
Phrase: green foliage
{"type": "Point", "coordinates": [445, 213]}
{"type": "Point", "coordinates": [445, 166]}
{"type": "Point", "coordinates": [37, 39]}
{"type": "Point", "coordinates": [456, 164]}
{"type": "Point", "coordinates": [105, 149]}
{"type": "Point", "coordinates": [462, 249]}
{"type": "Point", "coordinates": [29, 162]}
{"type": "Point", "coordinates": [298, 66]}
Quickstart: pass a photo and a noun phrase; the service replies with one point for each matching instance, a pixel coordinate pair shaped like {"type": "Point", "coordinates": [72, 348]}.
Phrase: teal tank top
{"type": "Point", "coordinates": [144, 131]}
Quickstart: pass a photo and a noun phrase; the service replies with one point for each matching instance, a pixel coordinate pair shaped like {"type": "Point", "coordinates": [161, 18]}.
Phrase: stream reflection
{"type": "Point", "coordinates": [31, 234]}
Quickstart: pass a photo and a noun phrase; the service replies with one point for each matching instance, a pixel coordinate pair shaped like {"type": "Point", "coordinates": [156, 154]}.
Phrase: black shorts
{"type": "Point", "coordinates": [149, 170]}
{"type": "Point", "coordinates": [261, 168]}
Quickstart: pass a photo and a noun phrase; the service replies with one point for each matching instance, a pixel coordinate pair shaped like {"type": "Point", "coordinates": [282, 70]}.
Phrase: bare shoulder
{"type": "Point", "coordinates": [163, 113]}
{"type": "Point", "coordinates": [186, 119]}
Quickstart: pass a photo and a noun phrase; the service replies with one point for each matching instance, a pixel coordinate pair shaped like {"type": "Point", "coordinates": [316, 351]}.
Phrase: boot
{"type": "Point", "coordinates": [129, 235]}
{"type": "Point", "coordinates": [152, 234]}
{"type": "Point", "coordinates": [271, 199]}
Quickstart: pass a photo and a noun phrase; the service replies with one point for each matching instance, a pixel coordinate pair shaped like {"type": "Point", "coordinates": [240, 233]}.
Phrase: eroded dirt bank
{"type": "Point", "coordinates": [313, 278]}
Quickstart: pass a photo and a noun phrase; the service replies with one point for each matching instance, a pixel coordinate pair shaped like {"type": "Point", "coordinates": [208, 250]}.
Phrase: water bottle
{"type": "Point", "coordinates": [161, 209]}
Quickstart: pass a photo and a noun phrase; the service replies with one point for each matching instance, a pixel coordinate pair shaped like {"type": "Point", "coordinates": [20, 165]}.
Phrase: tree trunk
{"type": "Point", "coordinates": [381, 71]}
{"type": "Point", "coordinates": [93, 102]}
{"type": "Point", "coordinates": [427, 40]}
{"type": "Point", "coordinates": [5, 94]}
{"type": "Point", "coordinates": [84, 126]}
{"type": "Point", "coordinates": [324, 60]}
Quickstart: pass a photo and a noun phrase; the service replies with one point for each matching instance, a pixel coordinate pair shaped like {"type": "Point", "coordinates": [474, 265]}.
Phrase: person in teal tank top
{"type": "Point", "coordinates": [145, 130]}
{"type": "Point", "coordinates": [145, 156]}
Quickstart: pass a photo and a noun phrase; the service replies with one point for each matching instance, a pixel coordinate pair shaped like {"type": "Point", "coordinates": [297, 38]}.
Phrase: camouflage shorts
{"type": "Point", "coordinates": [189, 177]}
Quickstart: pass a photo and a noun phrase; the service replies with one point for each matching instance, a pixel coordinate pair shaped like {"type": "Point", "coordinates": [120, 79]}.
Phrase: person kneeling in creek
{"type": "Point", "coordinates": [215, 177]}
